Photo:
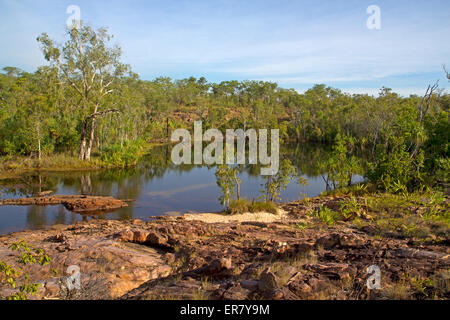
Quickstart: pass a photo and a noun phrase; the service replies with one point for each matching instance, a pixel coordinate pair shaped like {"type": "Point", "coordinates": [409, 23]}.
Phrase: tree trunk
{"type": "Point", "coordinates": [87, 155]}
{"type": "Point", "coordinates": [38, 131]}
{"type": "Point", "coordinates": [82, 152]}
{"type": "Point", "coordinates": [238, 189]}
{"type": "Point", "coordinates": [167, 127]}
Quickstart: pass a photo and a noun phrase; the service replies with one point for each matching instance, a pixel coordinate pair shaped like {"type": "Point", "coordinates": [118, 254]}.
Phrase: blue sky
{"type": "Point", "coordinates": [294, 43]}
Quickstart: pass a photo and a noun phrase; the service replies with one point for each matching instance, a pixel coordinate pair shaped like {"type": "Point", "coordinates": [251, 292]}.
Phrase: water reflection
{"type": "Point", "coordinates": [156, 185]}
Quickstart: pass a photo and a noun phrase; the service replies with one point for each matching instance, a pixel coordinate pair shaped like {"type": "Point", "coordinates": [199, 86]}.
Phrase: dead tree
{"type": "Point", "coordinates": [424, 106]}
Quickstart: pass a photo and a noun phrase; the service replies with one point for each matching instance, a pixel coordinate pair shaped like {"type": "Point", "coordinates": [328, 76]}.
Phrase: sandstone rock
{"type": "Point", "coordinates": [236, 292]}
{"type": "Point", "coordinates": [350, 241]}
{"type": "Point", "coordinates": [61, 238]}
{"type": "Point", "coordinates": [156, 239]}
{"type": "Point", "coordinates": [219, 265]}
{"type": "Point", "coordinates": [328, 241]}
{"type": "Point", "coordinates": [170, 257]}
{"type": "Point", "coordinates": [45, 193]}
{"type": "Point", "coordinates": [300, 287]}
{"type": "Point", "coordinates": [249, 284]}
{"type": "Point", "coordinates": [282, 294]}
{"type": "Point", "coordinates": [268, 281]}
{"type": "Point", "coordinates": [52, 287]}
{"type": "Point", "coordinates": [126, 235]}
{"type": "Point", "coordinates": [140, 236]}
{"type": "Point", "coordinates": [75, 203]}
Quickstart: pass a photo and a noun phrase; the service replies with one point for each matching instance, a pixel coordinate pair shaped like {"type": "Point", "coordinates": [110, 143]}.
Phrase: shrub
{"type": "Point", "coordinates": [122, 155]}
{"type": "Point", "coordinates": [243, 205]}
{"type": "Point", "coordinates": [326, 215]}
{"type": "Point", "coordinates": [9, 274]}
{"type": "Point", "coordinates": [396, 170]}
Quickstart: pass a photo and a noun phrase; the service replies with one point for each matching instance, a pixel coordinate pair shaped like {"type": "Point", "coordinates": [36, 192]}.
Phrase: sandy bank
{"type": "Point", "coordinates": [265, 217]}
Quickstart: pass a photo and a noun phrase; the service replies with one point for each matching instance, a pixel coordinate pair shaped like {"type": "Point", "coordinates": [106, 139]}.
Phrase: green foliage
{"type": "Point", "coordinates": [275, 184]}
{"type": "Point", "coordinates": [341, 165]}
{"type": "Point", "coordinates": [350, 208]}
{"type": "Point", "coordinates": [122, 155]}
{"type": "Point", "coordinates": [87, 94]}
{"type": "Point", "coordinates": [326, 215]}
{"type": "Point", "coordinates": [10, 275]}
{"type": "Point", "coordinates": [243, 206]}
{"type": "Point", "coordinates": [395, 170]}
{"type": "Point", "coordinates": [228, 181]}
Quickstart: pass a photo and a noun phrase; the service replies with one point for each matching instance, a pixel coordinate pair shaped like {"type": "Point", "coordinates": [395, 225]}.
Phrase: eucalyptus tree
{"type": "Point", "coordinates": [91, 68]}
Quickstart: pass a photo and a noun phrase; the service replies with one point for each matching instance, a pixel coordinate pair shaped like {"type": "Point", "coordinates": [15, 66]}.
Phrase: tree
{"type": "Point", "coordinates": [228, 180]}
{"type": "Point", "coordinates": [91, 69]}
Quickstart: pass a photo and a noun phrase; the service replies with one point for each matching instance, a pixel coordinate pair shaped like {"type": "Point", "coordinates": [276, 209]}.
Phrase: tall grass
{"type": "Point", "coordinates": [244, 205]}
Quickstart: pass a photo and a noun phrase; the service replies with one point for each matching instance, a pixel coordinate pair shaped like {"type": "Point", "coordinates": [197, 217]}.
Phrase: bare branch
{"type": "Point", "coordinates": [423, 110]}
{"type": "Point", "coordinates": [102, 113]}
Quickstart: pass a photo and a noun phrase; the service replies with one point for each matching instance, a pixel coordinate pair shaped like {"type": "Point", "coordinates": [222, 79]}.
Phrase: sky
{"type": "Point", "coordinates": [295, 43]}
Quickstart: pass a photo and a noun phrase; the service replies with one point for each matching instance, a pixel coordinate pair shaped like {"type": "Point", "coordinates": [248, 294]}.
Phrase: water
{"type": "Point", "coordinates": [156, 185]}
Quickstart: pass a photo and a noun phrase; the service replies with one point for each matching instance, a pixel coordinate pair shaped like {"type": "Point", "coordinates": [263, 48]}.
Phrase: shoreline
{"type": "Point", "coordinates": [234, 258]}
{"type": "Point", "coordinates": [18, 165]}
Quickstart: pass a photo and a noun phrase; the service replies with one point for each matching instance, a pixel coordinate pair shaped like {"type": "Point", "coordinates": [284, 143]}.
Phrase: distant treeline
{"type": "Point", "coordinates": [86, 99]}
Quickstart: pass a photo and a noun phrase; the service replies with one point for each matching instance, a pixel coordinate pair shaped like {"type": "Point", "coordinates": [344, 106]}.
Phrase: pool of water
{"type": "Point", "coordinates": [156, 185]}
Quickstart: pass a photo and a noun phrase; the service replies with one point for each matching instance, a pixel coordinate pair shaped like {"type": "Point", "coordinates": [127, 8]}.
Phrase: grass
{"type": "Point", "coordinates": [418, 216]}
{"type": "Point", "coordinates": [326, 215]}
{"type": "Point", "coordinates": [244, 205]}
{"type": "Point", "coordinates": [10, 166]}
{"type": "Point", "coordinates": [421, 216]}
{"type": "Point", "coordinates": [285, 268]}
{"type": "Point", "coordinates": [14, 164]}
{"type": "Point", "coordinates": [359, 189]}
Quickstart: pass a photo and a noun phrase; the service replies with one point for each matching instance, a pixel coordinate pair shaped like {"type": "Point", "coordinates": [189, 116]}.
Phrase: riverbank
{"type": "Point", "coordinates": [305, 255]}
{"type": "Point", "coordinates": [13, 166]}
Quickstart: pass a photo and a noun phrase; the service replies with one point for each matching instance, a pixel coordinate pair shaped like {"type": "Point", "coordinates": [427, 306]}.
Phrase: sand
{"type": "Point", "coordinates": [265, 217]}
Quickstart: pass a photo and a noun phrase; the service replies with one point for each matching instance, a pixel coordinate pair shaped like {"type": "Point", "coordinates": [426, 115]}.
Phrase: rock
{"type": "Point", "coordinates": [59, 238]}
{"type": "Point", "coordinates": [52, 287]}
{"type": "Point", "coordinates": [336, 271]}
{"type": "Point", "coordinates": [249, 284]}
{"type": "Point", "coordinates": [125, 235]}
{"type": "Point", "coordinates": [216, 266]}
{"type": "Point", "coordinates": [219, 265]}
{"type": "Point", "coordinates": [303, 247]}
{"type": "Point", "coordinates": [283, 294]}
{"type": "Point", "coordinates": [170, 257]}
{"type": "Point", "coordinates": [351, 241]}
{"type": "Point", "coordinates": [328, 241]}
{"type": "Point", "coordinates": [156, 239]}
{"type": "Point", "coordinates": [300, 287]}
{"type": "Point", "coordinates": [268, 281]}
{"type": "Point", "coordinates": [75, 203]}
{"type": "Point", "coordinates": [236, 292]}
{"type": "Point", "coordinates": [317, 284]}
{"type": "Point", "coordinates": [140, 236]}
{"type": "Point", "coordinates": [137, 260]}
{"type": "Point", "coordinates": [45, 193]}
{"type": "Point", "coordinates": [93, 204]}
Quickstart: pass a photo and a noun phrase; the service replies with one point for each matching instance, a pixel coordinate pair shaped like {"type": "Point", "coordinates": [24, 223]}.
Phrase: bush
{"type": "Point", "coordinates": [326, 215]}
{"type": "Point", "coordinates": [10, 275]}
{"type": "Point", "coordinates": [243, 205]}
{"type": "Point", "coordinates": [396, 171]}
{"type": "Point", "coordinates": [122, 155]}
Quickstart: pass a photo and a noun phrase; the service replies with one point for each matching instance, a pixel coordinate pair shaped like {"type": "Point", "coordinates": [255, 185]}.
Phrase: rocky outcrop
{"type": "Point", "coordinates": [75, 203]}
{"type": "Point", "coordinates": [175, 258]}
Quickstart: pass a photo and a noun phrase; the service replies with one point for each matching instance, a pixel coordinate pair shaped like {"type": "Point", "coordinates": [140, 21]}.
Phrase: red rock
{"type": "Point", "coordinates": [140, 236]}
{"type": "Point", "coordinates": [268, 281]}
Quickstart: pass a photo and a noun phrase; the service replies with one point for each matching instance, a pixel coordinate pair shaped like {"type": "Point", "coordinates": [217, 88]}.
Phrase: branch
{"type": "Point", "coordinates": [102, 113]}
{"type": "Point", "coordinates": [426, 102]}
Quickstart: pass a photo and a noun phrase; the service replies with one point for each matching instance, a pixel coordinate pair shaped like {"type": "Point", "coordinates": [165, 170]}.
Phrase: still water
{"type": "Point", "coordinates": [156, 185]}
